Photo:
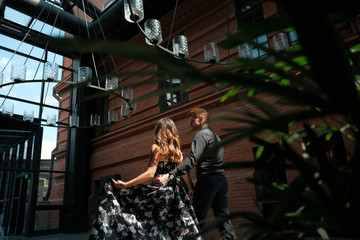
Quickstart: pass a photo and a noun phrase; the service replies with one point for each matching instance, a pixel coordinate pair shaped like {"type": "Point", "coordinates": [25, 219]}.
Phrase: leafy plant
{"type": "Point", "coordinates": [321, 83]}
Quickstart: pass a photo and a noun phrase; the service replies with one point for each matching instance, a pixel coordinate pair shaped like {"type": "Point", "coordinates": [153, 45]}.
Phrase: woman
{"type": "Point", "coordinates": [136, 211]}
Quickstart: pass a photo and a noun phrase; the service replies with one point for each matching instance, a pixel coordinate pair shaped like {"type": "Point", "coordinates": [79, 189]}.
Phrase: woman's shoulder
{"type": "Point", "coordinates": [155, 151]}
{"type": "Point", "coordinates": [154, 147]}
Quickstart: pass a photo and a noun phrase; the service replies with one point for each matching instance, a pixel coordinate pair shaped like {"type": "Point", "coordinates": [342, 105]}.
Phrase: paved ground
{"type": "Point", "coordinates": [62, 236]}
{"type": "Point", "coordinates": [85, 236]}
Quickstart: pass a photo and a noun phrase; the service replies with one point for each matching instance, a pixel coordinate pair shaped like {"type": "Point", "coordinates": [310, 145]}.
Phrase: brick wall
{"type": "Point", "coordinates": [125, 148]}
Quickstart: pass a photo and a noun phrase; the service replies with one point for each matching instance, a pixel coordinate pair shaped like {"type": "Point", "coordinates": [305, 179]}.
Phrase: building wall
{"type": "Point", "coordinates": [124, 148]}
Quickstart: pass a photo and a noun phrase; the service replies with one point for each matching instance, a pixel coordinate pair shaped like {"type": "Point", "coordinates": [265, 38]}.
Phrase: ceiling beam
{"type": "Point", "coordinates": [90, 8]}
{"type": "Point", "coordinates": [51, 15]}
{"type": "Point", "coordinates": [38, 39]}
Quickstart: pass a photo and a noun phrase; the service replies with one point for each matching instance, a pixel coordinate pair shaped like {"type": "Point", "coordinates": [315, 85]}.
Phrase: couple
{"type": "Point", "coordinates": [163, 210]}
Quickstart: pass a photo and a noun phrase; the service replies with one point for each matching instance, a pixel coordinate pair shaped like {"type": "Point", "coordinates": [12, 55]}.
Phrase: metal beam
{"type": "Point", "coordinates": [90, 8]}
{"type": "Point", "coordinates": [38, 39]}
{"type": "Point", "coordinates": [46, 12]}
{"type": "Point", "coordinates": [69, 23]}
{"type": "Point", "coordinates": [2, 8]}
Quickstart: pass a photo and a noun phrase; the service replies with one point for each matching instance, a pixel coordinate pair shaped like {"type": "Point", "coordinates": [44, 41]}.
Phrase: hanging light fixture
{"type": "Point", "coordinates": [28, 115]}
{"type": "Point", "coordinates": [153, 31]}
{"type": "Point", "coordinates": [8, 108]}
{"type": "Point", "coordinates": [111, 82]}
{"type": "Point", "coordinates": [211, 52]}
{"type": "Point", "coordinates": [51, 119]}
{"type": "Point", "coordinates": [85, 73]}
{"type": "Point", "coordinates": [134, 10]}
{"type": "Point", "coordinates": [280, 42]}
{"type": "Point", "coordinates": [245, 50]}
{"type": "Point", "coordinates": [18, 72]}
{"type": "Point", "coordinates": [113, 116]}
{"type": "Point", "coordinates": [180, 46]}
{"type": "Point", "coordinates": [73, 120]}
{"type": "Point", "coordinates": [94, 120]}
{"type": "Point", "coordinates": [51, 70]}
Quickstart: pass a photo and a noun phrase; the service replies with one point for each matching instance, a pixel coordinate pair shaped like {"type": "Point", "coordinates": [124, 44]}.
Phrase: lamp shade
{"type": "Point", "coordinates": [180, 46]}
{"type": "Point", "coordinates": [113, 116]}
{"type": "Point", "coordinates": [73, 120]}
{"type": "Point", "coordinates": [94, 120]}
{"type": "Point", "coordinates": [153, 31]}
{"type": "Point", "coordinates": [211, 52]}
{"type": "Point", "coordinates": [280, 42]}
{"type": "Point", "coordinates": [51, 119]}
{"type": "Point", "coordinates": [51, 71]}
{"type": "Point", "coordinates": [111, 82]}
{"type": "Point", "coordinates": [18, 72]}
{"type": "Point", "coordinates": [85, 73]}
{"type": "Point", "coordinates": [28, 115]}
{"type": "Point", "coordinates": [134, 10]}
{"type": "Point", "coordinates": [8, 108]}
{"type": "Point", "coordinates": [245, 50]}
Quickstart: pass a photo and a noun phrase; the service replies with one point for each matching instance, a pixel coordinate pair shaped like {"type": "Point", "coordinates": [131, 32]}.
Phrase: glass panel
{"type": "Point", "coordinates": [46, 219]}
{"type": "Point", "coordinates": [44, 180]}
{"type": "Point", "coordinates": [14, 44]}
{"type": "Point", "coordinates": [262, 38]}
{"type": "Point", "coordinates": [51, 186]}
{"type": "Point", "coordinates": [262, 52]}
{"type": "Point", "coordinates": [293, 36]}
{"type": "Point", "coordinates": [16, 16]}
{"type": "Point", "coordinates": [249, 5]}
{"type": "Point", "coordinates": [176, 81]}
{"type": "Point", "coordinates": [47, 29]}
{"type": "Point", "coordinates": [255, 53]}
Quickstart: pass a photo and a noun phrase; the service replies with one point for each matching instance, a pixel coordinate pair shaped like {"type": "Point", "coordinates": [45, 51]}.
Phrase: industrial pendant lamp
{"type": "Point", "coordinates": [134, 10]}
{"type": "Point", "coordinates": [153, 31]}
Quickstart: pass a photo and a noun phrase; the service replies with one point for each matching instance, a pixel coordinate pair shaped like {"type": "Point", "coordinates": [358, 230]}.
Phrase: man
{"type": "Point", "coordinates": [211, 187]}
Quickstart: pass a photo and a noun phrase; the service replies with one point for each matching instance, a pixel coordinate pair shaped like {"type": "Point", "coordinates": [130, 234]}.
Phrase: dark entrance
{"type": "Point", "coordinates": [20, 171]}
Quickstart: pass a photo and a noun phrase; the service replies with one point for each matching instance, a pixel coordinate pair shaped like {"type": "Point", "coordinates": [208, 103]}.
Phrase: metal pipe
{"type": "Point", "coordinates": [70, 23]}
{"type": "Point", "coordinates": [113, 18]}
{"type": "Point", "coordinates": [47, 13]}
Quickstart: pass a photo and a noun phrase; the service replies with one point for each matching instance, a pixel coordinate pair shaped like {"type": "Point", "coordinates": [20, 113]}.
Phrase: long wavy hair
{"type": "Point", "coordinates": [167, 139]}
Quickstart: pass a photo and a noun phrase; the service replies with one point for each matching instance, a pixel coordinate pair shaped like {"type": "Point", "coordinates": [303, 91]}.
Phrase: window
{"type": "Point", "coordinates": [293, 37]}
{"type": "Point", "coordinates": [334, 149]}
{"type": "Point", "coordinates": [248, 12]}
{"type": "Point", "coordinates": [174, 95]}
{"type": "Point", "coordinates": [127, 93]}
{"type": "Point", "coordinates": [172, 98]}
{"type": "Point", "coordinates": [273, 170]}
{"type": "Point", "coordinates": [263, 40]}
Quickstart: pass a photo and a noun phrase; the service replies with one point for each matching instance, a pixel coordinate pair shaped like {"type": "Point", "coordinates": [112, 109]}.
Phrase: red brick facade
{"type": "Point", "coordinates": [125, 148]}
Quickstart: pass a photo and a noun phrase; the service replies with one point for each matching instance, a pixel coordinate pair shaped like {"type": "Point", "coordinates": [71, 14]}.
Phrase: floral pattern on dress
{"type": "Point", "coordinates": [146, 212]}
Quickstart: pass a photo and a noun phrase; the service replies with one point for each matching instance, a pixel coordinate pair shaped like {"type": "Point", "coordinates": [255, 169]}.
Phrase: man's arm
{"type": "Point", "coordinates": [198, 146]}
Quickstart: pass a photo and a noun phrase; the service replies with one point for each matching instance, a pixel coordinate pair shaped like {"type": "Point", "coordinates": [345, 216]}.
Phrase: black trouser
{"type": "Point", "coordinates": [211, 191]}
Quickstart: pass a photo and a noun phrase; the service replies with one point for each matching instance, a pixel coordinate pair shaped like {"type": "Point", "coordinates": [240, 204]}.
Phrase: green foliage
{"type": "Point", "coordinates": [323, 200]}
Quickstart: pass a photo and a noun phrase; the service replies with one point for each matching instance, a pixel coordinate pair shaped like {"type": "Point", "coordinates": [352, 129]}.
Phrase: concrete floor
{"type": "Point", "coordinates": [58, 236]}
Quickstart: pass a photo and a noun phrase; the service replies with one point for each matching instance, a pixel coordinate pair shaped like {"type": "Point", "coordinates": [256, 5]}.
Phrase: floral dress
{"type": "Point", "coordinates": [146, 211]}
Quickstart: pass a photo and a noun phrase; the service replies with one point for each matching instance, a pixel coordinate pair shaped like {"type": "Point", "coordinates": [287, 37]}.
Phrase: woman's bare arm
{"type": "Point", "coordinates": [145, 176]}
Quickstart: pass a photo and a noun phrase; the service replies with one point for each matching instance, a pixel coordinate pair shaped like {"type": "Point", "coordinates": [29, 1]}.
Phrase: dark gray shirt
{"type": "Point", "coordinates": [207, 161]}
